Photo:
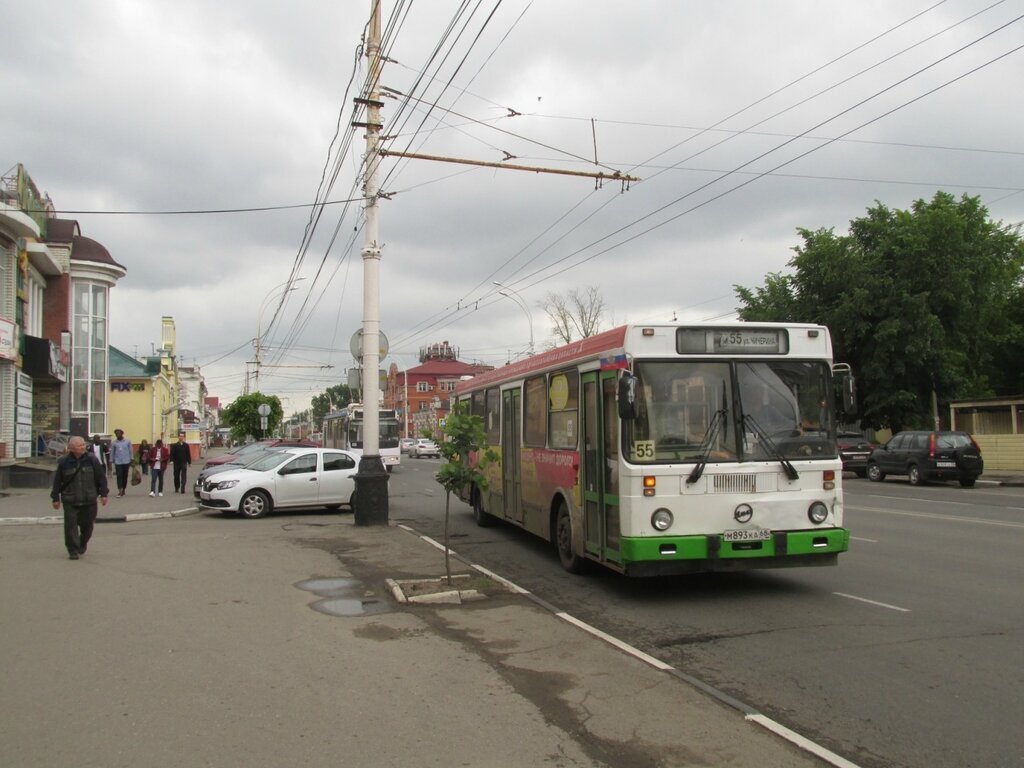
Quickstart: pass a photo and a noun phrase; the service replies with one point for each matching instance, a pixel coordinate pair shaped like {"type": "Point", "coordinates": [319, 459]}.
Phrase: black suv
{"type": "Point", "coordinates": [854, 450]}
{"type": "Point", "coordinates": [924, 456]}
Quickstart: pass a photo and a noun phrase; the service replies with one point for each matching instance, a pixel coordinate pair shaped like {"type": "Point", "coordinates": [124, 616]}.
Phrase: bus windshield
{"type": "Point", "coordinates": [713, 411]}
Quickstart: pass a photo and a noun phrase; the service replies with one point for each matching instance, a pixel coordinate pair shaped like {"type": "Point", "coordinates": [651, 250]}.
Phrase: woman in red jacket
{"type": "Point", "coordinates": [159, 456]}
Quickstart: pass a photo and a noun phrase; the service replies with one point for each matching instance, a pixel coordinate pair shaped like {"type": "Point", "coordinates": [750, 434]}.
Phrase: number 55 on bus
{"type": "Point", "coordinates": [667, 449]}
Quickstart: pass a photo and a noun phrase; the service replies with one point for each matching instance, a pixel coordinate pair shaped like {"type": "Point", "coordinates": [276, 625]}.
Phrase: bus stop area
{"type": "Point", "coordinates": [207, 640]}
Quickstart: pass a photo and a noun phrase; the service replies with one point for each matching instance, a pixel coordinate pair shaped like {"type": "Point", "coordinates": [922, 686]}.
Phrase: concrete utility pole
{"type": "Point", "coordinates": [372, 478]}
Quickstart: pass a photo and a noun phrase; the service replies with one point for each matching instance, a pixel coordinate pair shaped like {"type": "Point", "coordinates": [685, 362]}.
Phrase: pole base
{"type": "Point", "coordinates": [371, 492]}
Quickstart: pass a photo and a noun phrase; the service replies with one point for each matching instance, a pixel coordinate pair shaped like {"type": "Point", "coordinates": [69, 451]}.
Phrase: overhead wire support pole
{"type": "Point", "coordinates": [599, 175]}
{"type": "Point", "coordinates": [371, 502]}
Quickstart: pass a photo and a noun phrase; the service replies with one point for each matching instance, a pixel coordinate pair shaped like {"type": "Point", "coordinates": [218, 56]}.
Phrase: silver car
{"type": "Point", "coordinates": [284, 479]}
{"type": "Point", "coordinates": [424, 447]}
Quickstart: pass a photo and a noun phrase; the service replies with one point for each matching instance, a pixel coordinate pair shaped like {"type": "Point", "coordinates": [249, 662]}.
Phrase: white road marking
{"type": "Point", "coordinates": [805, 744]}
{"type": "Point", "coordinates": [858, 538]}
{"type": "Point", "coordinates": [873, 602]}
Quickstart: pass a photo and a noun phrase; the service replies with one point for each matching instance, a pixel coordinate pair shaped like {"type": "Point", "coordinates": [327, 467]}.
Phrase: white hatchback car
{"type": "Point", "coordinates": [284, 479]}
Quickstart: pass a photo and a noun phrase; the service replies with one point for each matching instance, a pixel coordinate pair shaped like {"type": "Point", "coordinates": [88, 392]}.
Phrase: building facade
{"type": "Point", "coordinates": [54, 322]}
{"type": "Point", "coordinates": [420, 395]}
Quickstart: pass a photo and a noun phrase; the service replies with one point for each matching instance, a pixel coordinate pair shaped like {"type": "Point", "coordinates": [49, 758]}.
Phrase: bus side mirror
{"type": "Point", "coordinates": [847, 388]}
{"type": "Point", "coordinates": [628, 407]}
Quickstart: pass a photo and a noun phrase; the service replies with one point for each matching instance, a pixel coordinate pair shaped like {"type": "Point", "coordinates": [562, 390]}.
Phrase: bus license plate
{"type": "Point", "coordinates": [754, 534]}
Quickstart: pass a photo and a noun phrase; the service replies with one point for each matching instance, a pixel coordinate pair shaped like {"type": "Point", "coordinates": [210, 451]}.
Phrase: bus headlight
{"type": "Point", "coordinates": [817, 513]}
{"type": "Point", "coordinates": [661, 519]}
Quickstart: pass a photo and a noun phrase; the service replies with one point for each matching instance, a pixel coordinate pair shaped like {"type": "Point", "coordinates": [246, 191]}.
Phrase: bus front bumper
{"type": "Point", "coordinates": [664, 555]}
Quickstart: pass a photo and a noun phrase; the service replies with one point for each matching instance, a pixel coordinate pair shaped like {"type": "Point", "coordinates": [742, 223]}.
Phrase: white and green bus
{"type": "Point", "coordinates": [660, 449]}
{"type": "Point", "coordinates": [344, 429]}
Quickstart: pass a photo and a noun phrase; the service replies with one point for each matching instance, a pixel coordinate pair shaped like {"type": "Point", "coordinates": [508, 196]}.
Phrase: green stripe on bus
{"type": "Point", "coordinates": [635, 549]}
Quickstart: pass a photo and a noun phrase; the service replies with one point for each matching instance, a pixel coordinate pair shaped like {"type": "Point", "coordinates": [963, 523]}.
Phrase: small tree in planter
{"type": "Point", "coordinates": [464, 436]}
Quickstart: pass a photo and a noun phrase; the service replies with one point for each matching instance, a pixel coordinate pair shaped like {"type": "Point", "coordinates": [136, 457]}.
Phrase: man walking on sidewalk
{"type": "Point", "coordinates": [79, 480]}
{"type": "Point", "coordinates": [121, 457]}
{"type": "Point", "coordinates": [181, 457]}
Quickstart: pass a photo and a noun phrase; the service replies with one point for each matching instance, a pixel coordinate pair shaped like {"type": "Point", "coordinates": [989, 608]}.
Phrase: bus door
{"type": "Point", "coordinates": [511, 474]}
{"type": "Point", "coordinates": [600, 480]}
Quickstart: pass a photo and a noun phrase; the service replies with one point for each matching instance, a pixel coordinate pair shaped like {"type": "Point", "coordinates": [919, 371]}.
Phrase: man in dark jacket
{"type": "Point", "coordinates": [79, 481]}
{"type": "Point", "coordinates": [181, 457]}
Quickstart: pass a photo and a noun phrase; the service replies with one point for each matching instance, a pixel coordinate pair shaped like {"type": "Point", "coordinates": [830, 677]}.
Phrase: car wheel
{"type": "Point", "coordinates": [483, 519]}
{"type": "Point", "coordinates": [860, 472]}
{"type": "Point", "coordinates": [967, 482]}
{"type": "Point", "coordinates": [254, 504]}
{"type": "Point", "coordinates": [875, 474]}
{"type": "Point", "coordinates": [914, 475]}
{"type": "Point", "coordinates": [572, 562]}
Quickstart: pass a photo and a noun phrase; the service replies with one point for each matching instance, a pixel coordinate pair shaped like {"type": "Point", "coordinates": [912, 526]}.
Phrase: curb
{"type": "Point", "coordinates": [59, 519]}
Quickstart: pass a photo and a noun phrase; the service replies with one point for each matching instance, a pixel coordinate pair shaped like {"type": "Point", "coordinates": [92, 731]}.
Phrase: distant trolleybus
{"type": "Point", "coordinates": [666, 449]}
{"type": "Point", "coordinates": [344, 429]}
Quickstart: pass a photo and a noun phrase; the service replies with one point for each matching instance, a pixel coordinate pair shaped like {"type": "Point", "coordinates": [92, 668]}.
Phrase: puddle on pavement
{"type": "Point", "coordinates": [343, 597]}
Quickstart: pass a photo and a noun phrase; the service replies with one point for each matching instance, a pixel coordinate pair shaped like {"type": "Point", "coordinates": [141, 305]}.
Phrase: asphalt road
{"type": "Point", "coordinates": [909, 653]}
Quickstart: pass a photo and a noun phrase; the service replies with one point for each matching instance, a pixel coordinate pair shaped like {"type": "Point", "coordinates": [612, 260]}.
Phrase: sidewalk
{"type": "Point", "coordinates": [32, 505]}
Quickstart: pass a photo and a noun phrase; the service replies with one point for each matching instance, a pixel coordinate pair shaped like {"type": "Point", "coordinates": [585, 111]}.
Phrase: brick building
{"type": "Point", "coordinates": [420, 394]}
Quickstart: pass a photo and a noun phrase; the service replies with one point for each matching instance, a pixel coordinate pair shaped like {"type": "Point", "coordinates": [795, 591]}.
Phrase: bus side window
{"type": "Point", "coordinates": [535, 411]}
{"type": "Point", "coordinates": [492, 417]}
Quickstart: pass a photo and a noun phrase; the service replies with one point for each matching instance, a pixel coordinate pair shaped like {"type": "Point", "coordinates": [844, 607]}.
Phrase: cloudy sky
{"type": "Point", "coordinates": [193, 138]}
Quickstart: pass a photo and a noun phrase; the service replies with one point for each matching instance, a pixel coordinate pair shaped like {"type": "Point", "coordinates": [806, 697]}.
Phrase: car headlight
{"type": "Point", "coordinates": [223, 485]}
{"type": "Point", "coordinates": [817, 513]}
{"type": "Point", "coordinates": [661, 519]}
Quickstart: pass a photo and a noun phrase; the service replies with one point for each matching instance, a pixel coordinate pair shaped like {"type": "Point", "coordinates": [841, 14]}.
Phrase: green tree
{"type": "Point", "coordinates": [244, 419]}
{"type": "Point", "coordinates": [465, 462]}
{"type": "Point", "coordinates": [919, 302]}
{"type": "Point", "coordinates": [332, 399]}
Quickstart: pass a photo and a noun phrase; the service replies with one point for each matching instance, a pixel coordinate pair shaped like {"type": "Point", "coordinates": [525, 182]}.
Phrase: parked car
{"type": "Point", "coordinates": [854, 450]}
{"type": "Point", "coordinates": [424, 447]}
{"type": "Point", "coordinates": [237, 461]}
{"type": "Point", "coordinates": [248, 448]}
{"type": "Point", "coordinates": [923, 456]}
{"type": "Point", "coordinates": [284, 479]}
{"type": "Point", "coordinates": [406, 443]}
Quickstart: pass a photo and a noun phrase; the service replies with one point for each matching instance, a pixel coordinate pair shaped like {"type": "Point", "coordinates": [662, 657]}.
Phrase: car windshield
{"type": "Point", "coordinates": [272, 460]}
{"type": "Point", "coordinates": [693, 411]}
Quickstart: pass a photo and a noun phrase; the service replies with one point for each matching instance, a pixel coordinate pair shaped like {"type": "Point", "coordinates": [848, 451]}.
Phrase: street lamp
{"type": "Point", "coordinates": [511, 293]}
{"type": "Point", "coordinates": [259, 320]}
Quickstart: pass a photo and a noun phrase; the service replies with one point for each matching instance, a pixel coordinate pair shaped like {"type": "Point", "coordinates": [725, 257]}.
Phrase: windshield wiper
{"type": "Point", "coordinates": [791, 472]}
{"type": "Point", "coordinates": [705, 445]}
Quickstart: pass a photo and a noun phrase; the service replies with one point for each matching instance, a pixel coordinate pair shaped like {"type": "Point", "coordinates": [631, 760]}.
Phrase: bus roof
{"type": "Point", "coordinates": [610, 348]}
{"type": "Point", "coordinates": [608, 341]}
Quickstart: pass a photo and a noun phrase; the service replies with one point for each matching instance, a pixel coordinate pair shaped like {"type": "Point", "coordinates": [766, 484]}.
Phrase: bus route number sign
{"type": "Point", "coordinates": [747, 341]}
{"type": "Point", "coordinates": [732, 341]}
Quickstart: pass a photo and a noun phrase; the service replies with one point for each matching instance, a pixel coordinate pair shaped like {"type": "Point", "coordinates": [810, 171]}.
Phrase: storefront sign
{"type": "Point", "coordinates": [23, 444]}
{"type": "Point", "coordinates": [8, 337]}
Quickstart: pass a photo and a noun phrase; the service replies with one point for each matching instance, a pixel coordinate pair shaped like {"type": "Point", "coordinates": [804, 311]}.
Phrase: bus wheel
{"type": "Point", "coordinates": [572, 562]}
{"type": "Point", "coordinates": [483, 519]}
